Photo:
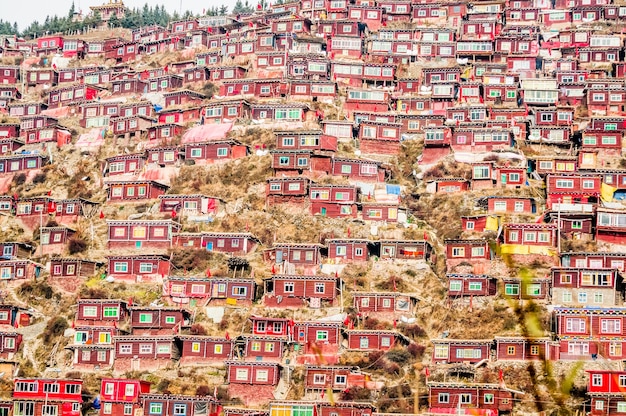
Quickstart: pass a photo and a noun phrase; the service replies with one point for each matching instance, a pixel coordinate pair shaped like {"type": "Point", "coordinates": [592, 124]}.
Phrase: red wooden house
{"type": "Point", "coordinates": [144, 353]}
{"type": "Point", "coordinates": [210, 152]}
{"type": "Point", "coordinates": [300, 255]}
{"type": "Point", "coordinates": [122, 52]}
{"type": "Point", "coordinates": [134, 190]}
{"type": "Point", "coordinates": [71, 94]}
{"type": "Point", "coordinates": [216, 290]}
{"type": "Point", "coordinates": [41, 77]}
{"type": "Point", "coordinates": [474, 252]}
{"type": "Point", "coordinates": [610, 226]}
{"type": "Point", "coordinates": [534, 288]}
{"type": "Point", "coordinates": [599, 260]}
{"type": "Point", "coordinates": [359, 169]}
{"type": "Point", "coordinates": [19, 109]}
{"type": "Point", "coordinates": [167, 82]}
{"type": "Point", "coordinates": [121, 396]}
{"type": "Point", "coordinates": [159, 320]}
{"type": "Point", "coordinates": [474, 223]}
{"type": "Point", "coordinates": [264, 348]}
{"type": "Point", "coordinates": [471, 351]}
{"type": "Point", "coordinates": [10, 343]}
{"type": "Point", "coordinates": [40, 396]}
{"type": "Point", "coordinates": [163, 155]}
{"type": "Point", "coordinates": [384, 303]}
{"type": "Point", "coordinates": [267, 326]}
{"type": "Point", "coordinates": [334, 201]}
{"type": "Point", "coordinates": [14, 249]}
{"type": "Point", "coordinates": [333, 378]}
{"type": "Point", "coordinates": [11, 315]}
{"type": "Point", "coordinates": [447, 397]}
{"type": "Point", "coordinates": [511, 205]}
{"type": "Point", "coordinates": [19, 269]}
{"type": "Point", "coordinates": [448, 185]}
{"type": "Point", "coordinates": [135, 125]}
{"type": "Point", "coordinates": [283, 290]}
{"type": "Point", "coordinates": [232, 243]}
{"type": "Point", "coordinates": [9, 74]}
{"type": "Point", "coordinates": [379, 137]}
{"type": "Point", "coordinates": [606, 144]}
{"type": "Point", "coordinates": [257, 373]}
{"type": "Point", "coordinates": [279, 113]}
{"type": "Point", "coordinates": [164, 131]}
{"type": "Point", "coordinates": [190, 204]}
{"type": "Point", "coordinates": [178, 116]}
{"type": "Point", "coordinates": [585, 333]}
{"type": "Point", "coordinates": [101, 312]}
{"type": "Point", "coordinates": [138, 268]}
{"type": "Point", "coordinates": [578, 188]}
{"type": "Point", "coordinates": [92, 348]}
{"type": "Point", "coordinates": [373, 339]}
{"type": "Point", "coordinates": [606, 389]}
{"type": "Point", "coordinates": [315, 336]}
{"type": "Point", "coordinates": [368, 100]}
{"type": "Point", "coordinates": [587, 287]}
{"type": "Point", "coordinates": [525, 349]}
{"type": "Point", "coordinates": [54, 239]}
{"type": "Point", "coordinates": [126, 163]}
{"type": "Point", "coordinates": [221, 110]}
{"type": "Point", "coordinates": [348, 250]}
{"type": "Point", "coordinates": [289, 190]}
{"type": "Point", "coordinates": [197, 349]}
{"type": "Point", "coordinates": [291, 162]}
{"type": "Point", "coordinates": [313, 140]}
{"type": "Point", "coordinates": [530, 234]}
{"type": "Point", "coordinates": [405, 250]}
{"type": "Point", "coordinates": [463, 285]}
{"type": "Point", "coordinates": [61, 267]}
{"type": "Point", "coordinates": [141, 234]}
{"type": "Point", "coordinates": [172, 404]}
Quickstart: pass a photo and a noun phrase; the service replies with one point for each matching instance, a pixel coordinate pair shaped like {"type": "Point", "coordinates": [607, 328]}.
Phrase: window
{"type": "Point", "coordinates": [444, 397]}
{"type": "Point", "coordinates": [145, 318]}
{"type": "Point", "coordinates": [611, 326]}
{"type": "Point", "coordinates": [456, 285]}
{"type": "Point", "coordinates": [510, 350]}
{"type": "Point", "coordinates": [288, 287]}
{"type": "Point", "coordinates": [145, 348]}
{"type": "Point", "coordinates": [511, 289]}
{"type": "Point", "coordinates": [499, 206]}
{"type": "Point", "coordinates": [478, 251]}
{"type": "Point", "coordinates": [533, 289]}
{"type": "Point", "coordinates": [120, 267]}
{"type": "Point", "coordinates": [49, 410]}
{"type": "Point", "coordinates": [51, 387]}
{"type": "Point", "coordinates": [155, 408]}
{"type": "Point", "coordinates": [575, 325]}
{"type": "Point", "coordinates": [180, 409]}
{"type": "Point", "coordinates": [458, 252]}
{"type": "Point", "coordinates": [476, 286]}
{"type": "Point", "coordinates": [319, 288]}
{"type": "Point", "coordinates": [534, 350]}
{"type": "Point", "coordinates": [481, 172]}
{"type": "Point", "coordinates": [466, 398]}
{"type": "Point", "coordinates": [111, 312]}
{"type": "Point", "coordinates": [129, 390]}
{"type": "Point", "coordinates": [241, 374]}
{"type": "Point", "coordinates": [488, 398]}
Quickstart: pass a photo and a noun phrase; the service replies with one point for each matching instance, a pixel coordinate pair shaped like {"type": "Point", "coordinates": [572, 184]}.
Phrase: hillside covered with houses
{"type": "Point", "coordinates": [316, 208]}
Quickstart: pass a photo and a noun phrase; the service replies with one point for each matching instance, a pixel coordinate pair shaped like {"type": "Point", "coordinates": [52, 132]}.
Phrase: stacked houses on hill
{"type": "Point", "coordinates": [527, 97]}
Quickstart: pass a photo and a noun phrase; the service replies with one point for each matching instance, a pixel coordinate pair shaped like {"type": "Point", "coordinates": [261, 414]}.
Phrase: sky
{"type": "Point", "coordinates": [24, 12]}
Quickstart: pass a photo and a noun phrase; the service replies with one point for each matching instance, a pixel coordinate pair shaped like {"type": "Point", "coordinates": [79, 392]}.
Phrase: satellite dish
{"type": "Point", "coordinates": [110, 279]}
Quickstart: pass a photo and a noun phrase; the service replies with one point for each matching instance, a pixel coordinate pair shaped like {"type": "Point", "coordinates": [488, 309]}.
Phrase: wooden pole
{"type": "Point", "coordinates": [416, 401]}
